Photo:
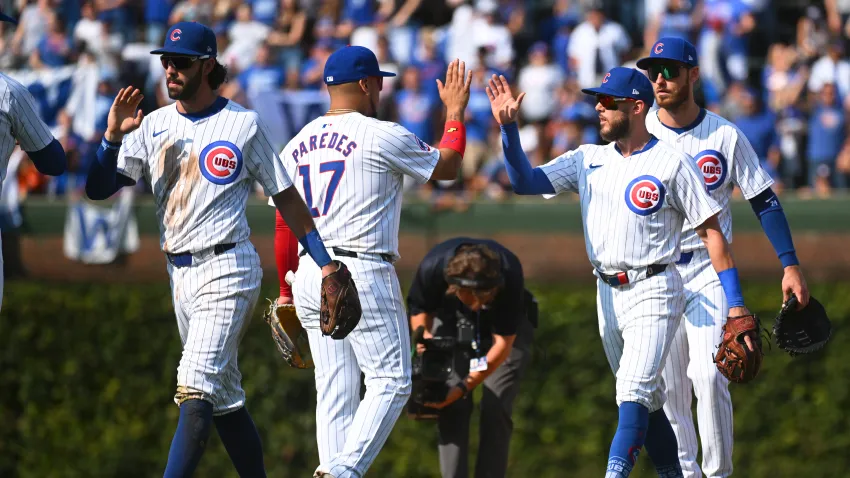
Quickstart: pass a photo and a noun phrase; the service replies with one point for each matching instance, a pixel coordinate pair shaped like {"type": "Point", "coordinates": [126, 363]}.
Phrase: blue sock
{"type": "Point", "coordinates": [242, 442]}
{"type": "Point", "coordinates": [190, 439]}
{"type": "Point", "coordinates": [627, 442]}
{"type": "Point", "coordinates": [662, 446]}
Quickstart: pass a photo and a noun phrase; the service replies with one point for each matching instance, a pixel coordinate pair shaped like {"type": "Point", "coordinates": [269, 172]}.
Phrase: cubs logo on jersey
{"type": "Point", "coordinates": [645, 195]}
{"type": "Point", "coordinates": [712, 164]}
{"type": "Point", "coordinates": [221, 162]}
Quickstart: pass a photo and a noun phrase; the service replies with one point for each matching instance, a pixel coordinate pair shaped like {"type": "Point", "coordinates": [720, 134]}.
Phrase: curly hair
{"type": "Point", "coordinates": [477, 262]}
{"type": "Point", "coordinates": [218, 75]}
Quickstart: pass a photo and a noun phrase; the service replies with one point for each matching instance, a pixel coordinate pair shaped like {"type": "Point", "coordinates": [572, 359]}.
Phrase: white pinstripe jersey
{"type": "Point", "coordinates": [19, 121]}
{"type": "Point", "coordinates": [633, 208]}
{"type": "Point", "coordinates": [725, 157]}
{"type": "Point", "coordinates": [350, 169]}
{"type": "Point", "coordinates": [202, 169]}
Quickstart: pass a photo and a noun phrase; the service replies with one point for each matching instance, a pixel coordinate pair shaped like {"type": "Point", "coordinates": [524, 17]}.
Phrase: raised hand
{"type": "Point", "coordinates": [505, 107]}
{"type": "Point", "coordinates": [124, 114]}
{"type": "Point", "coordinates": [455, 92]}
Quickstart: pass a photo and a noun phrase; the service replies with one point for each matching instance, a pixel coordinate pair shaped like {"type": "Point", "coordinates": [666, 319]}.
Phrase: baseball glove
{"type": "Point", "coordinates": [734, 359]}
{"type": "Point", "coordinates": [340, 310]}
{"type": "Point", "coordinates": [802, 331]}
{"type": "Point", "coordinates": [288, 334]}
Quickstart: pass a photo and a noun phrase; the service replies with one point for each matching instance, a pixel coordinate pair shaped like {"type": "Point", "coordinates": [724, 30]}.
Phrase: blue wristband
{"type": "Point", "coordinates": [731, 287]}
{"type": "Point", "coordinates": [314, 246]}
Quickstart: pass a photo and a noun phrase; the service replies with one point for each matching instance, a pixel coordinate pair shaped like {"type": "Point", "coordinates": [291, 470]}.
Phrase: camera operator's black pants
{"type": "Point", "coordinates": [499, 389]}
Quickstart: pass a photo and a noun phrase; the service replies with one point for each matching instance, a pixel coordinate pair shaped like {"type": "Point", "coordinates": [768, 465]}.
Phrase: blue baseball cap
{"type": "Point", "coordinates": [623, 82]}
{"type": "Point", "coordinates": [7, 18]}
{"type": "Point", "coordinates": [352, 63]}
{"type": "Point", "coordinates": [670, 48]}
{"type": "Point", "coordinates": [189, 39]}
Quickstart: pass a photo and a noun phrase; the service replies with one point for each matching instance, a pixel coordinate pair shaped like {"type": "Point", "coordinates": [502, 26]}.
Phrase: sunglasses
{"type": "Point", "coordinates": [666, 70]}
{"type": "Point", "coordinates": [180, 62]}
{"type": "Point", "coordinates": [610, 102]}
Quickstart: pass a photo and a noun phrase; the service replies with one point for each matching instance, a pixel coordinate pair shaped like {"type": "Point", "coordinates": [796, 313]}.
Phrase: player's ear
{"type": "Point", "coordinates": [209, 65]}
{"type": "Point", "coordinates": [364, 85]}
{"type": "Point", "coordinates": [693, 74]}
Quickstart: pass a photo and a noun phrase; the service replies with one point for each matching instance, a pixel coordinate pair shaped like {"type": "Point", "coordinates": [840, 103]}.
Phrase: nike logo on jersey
{"type": "Point", "coordinates": [157, 134]}
{"type": "Point", "coordinates": [594, 166]}
{"type": "Point", "coordinates": [451, 130]}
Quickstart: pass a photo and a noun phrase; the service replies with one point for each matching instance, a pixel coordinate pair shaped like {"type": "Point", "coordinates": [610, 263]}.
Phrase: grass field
{"type": "Point", "coordinates": [87, 375]}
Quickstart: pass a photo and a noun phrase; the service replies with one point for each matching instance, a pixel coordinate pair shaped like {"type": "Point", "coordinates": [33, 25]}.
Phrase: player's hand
{"type": "Point", "coordinates": [455, 394]}
{"type": "Point", "coordinates": [505, 107]}
{"type": "Point", "coordinates": [124, 115]}
{"type": "Point", "coordinates": [455, 92]}
{"type": "Point", "coordinates": [738, 311]}
{"type": "Point", "coordinates": [793, 281]}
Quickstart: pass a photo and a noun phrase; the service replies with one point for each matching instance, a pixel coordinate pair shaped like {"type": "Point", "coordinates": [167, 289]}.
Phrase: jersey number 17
{"type": "Point", "coordinates": [335, 167]}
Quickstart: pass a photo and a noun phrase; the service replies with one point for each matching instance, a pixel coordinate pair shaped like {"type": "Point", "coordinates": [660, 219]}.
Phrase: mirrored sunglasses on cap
{"type": "Point", "coordinates": [610, 102]}
{"type": "Point", "coordinates": [180, 62]}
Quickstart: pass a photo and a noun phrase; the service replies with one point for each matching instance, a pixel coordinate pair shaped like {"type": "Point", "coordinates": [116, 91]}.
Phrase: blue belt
{"type": "Point", "coordinates": [185, 259]}
{"type": "Point", "coordinates": [685, 258]}
{"type": "Point", "coordinates": [621, 278]}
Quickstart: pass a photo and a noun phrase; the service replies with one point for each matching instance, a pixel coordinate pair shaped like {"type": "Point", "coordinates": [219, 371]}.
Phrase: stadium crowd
{"type": "Point", "coordinates": [783, 78]}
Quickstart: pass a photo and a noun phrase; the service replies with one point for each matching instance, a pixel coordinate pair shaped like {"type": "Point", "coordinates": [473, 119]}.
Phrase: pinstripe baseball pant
{"type": "Point", "coordinates": [214, 299]}
{"type": "Point", "coordinates": [349, 432]}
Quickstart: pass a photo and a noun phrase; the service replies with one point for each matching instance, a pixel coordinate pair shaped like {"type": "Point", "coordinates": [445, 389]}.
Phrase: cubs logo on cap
{"type": "Point", "coordinates": [645, 195]}
{"type": "Point", "coordinates": [221, 162]}
{"type": "Point", "coordinates": [189, 39]}
{"type": "Point", "coordinates": [175, 34]}
{"type": "Point", "coordinates": [713, 166]}
{"type": "Point", "coordinates": [670, 48]}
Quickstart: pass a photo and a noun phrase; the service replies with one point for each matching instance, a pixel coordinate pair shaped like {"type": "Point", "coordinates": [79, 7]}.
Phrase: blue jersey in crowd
{"type": "Point", "coordinates": [826, 134]}
{"type": "Point", "coordinates": [359, 12]}
{"type": "Point", "coordinates": [415, 113]}
{"type": "Point", "coordinates": [726, 14]}
{"type": "Point", "coordinates": [760, 131]}
{"type": "Point", "coordinates": [257, 78]}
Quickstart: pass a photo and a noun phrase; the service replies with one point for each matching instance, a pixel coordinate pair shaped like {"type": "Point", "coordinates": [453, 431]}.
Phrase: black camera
{"type": "Point", "coordinates": [443, 365]}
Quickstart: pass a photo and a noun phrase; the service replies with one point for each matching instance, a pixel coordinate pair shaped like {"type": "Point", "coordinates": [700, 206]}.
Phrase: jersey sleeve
{"type": "Point", "coordinates": [747, 172]}
{"type": "Point", "coordinates": [27, 127]}
{"type": "Point", "coordinates": [403, 152]}
{"type": "Point", "coordinates": [263, 163]}
{"type": "Point", "coordinates": [132, 155]}
{"type": "Point", "coordinates": [563, 171]}
{"type": "Point", "coordinates": [689, 194]}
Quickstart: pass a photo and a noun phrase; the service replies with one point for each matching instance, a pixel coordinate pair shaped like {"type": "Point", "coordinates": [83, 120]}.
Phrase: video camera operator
{"type": "Point", "coordinates": [473, 323]}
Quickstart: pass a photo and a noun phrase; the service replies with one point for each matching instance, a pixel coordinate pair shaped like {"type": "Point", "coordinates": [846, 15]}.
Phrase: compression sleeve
{"type": "Point", "coordinates": [525, 180]}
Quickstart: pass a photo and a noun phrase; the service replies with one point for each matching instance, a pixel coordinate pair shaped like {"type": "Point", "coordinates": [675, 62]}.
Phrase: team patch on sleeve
{"type": "Point", "coordinates": [221, 162]}
{"type": "Point", "coordinates": [712, 164]}
{"type": "Point", "coordinates": [422, 144]}
{"type": "Point", "coordinates": [645, 195]}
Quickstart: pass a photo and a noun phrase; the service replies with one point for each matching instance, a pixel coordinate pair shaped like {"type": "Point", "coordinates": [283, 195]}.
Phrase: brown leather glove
{"type": "Point", "coordinates": [734, 359]}
{"type": "Point", "coordinates": [341, 310]}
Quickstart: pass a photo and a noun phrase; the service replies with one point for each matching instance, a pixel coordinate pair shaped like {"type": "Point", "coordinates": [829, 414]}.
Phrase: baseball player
{"type": "Point", "coordinates": [636, 194]}
{"type": "Point", "coordinates": [201, 155]}
{"type": "Point", "coordinates": [20, 125]}
{"type": "Point", "coordinates": [349, 167]}
{"type": "Point", "coordinates": [725, 159]}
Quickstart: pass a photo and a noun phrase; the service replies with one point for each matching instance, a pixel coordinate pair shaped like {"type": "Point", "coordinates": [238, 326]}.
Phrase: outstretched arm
{"type": "Point", "coordinates": [525, 180]}
{"type": "Point", "coordinates": [767, 208]}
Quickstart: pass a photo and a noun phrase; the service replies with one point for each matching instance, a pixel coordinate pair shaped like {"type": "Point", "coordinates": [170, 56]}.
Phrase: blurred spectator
{"type": "Point", "coordinates": [264, 11]}
{"type": "Point", "coordinates": [118, 14]}
{"type": "Point", "coordinates": [288, 35]}
{"type": "Point", "coordinates": [314, 67]}
{"type": "Point", "coordinates": [540, 79]}
{"type": "Point", "coordinates": [759, 127]}
{"type": "Point", "coordinates": [597, 45]}
{"type": "Point", "coordinates": [488, 34]}
{"type": "Point", "coordinates": [55, 47]}
{"type": "Point", "coordinates": [32, 27]}
{"type": "Point", "coordinates": [157, 13]}
{"type": "Point", "coordinates": [677, 20]}
{"type": "Point", "coordinates": [812, 34]}
{"type": "Point", "coordinates": [89, 29]}
{"type": "Point", "coordinates": [414, 108]}
{"type": "Point", "coordinates": [479, 124]}
{"type": "Point", "coordinates": [723, 46]}
{"type": "Point", "coordinates": [246, 34]}
{"type": "Point", "coordinates": [827, 133]}
{"type": "Point", "coordinates": [261, 76]}
{"type": "Point", "coordinates": [832, 68]}
{"type": "Point", "coordinates": [200, 11]}
{"type": "Point", "coordinates": [837, 16]}
{"type": "Point", "coordinates": [427, 59]}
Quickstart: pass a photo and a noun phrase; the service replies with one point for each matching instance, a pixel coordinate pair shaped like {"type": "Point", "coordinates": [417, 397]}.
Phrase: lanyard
{"type": "Point", "coordinates": [477, 340]}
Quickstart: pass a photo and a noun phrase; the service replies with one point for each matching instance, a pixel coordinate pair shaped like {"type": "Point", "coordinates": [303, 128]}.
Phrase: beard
{"type": "Point", "coordinates": [188, 89]}
{"type": "Point", "coordinates": [615, 129]}
{"type": "Point", "coordinates": [675, 100]}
